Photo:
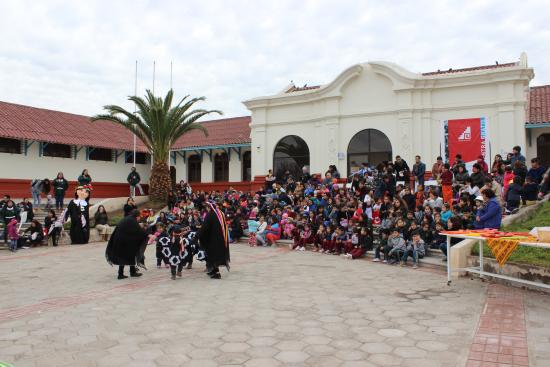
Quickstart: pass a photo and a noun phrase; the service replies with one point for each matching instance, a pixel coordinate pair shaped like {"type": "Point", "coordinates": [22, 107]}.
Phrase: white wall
{"type": "Point", "coordinates": [207, 167]}
{"type": "Point", "coordinates": [30, 166]}
{"type": "Point", "coordinates": [407, 107]}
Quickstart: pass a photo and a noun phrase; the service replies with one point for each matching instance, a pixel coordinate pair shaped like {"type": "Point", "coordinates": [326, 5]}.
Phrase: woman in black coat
{"type": "Point", "coordinates": [79, 212]}
{"type": "Point", "coordinates": [127, 245]}
{"type": "Point", "coordinates": [214, 240]}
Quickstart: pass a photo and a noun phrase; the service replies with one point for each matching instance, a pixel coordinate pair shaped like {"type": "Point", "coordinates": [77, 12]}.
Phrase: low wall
{"type": "Point", "coordinates": [22, 189]}
{"type": "Point", "coordinates": [532, 273]}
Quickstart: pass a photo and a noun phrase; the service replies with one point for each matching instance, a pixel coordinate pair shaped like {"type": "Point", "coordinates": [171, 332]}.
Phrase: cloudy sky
{"type": "Point", "coordinates": [77, 56]}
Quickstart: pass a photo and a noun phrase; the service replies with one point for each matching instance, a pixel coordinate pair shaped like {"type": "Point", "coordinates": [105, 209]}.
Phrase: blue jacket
{"type": "Point", "coordinates": [490, 215]}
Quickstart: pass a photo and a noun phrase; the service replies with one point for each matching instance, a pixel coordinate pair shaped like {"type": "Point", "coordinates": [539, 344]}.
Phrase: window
{"type": "Point", "coordinates": [56, 150]}
{"type": "Point", "coordinates": [194, 168]}
{"type": "Point", "coordinates": [141, 158]}
{"type": "Point", "coordinates": [247, 171]}
{"type": "Point", "coordinates": [291, 154]}
{"type": "Point", "coordinates": [8, 145]}
{"type": "Point", "coordinates": [221, 167]}
{"type": "Point", "coordinates": [369, 145]}
{"type": "Point", "coordinates": [101, 154]}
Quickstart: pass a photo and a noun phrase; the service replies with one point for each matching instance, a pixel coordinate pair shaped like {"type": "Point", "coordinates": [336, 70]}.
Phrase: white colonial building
{"type": "Point", "coordinates": [370, 113]}
{"type": "Point", "coordinates": [376, 110]}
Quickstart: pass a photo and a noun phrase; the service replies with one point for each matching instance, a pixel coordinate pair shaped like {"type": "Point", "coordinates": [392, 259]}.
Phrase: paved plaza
{"type": "Point", "coordinates": [64, 307]}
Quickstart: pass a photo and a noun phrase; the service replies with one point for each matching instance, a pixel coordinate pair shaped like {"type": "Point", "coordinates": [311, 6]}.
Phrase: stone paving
{"type": "Point", "coordinates": [64, 307]}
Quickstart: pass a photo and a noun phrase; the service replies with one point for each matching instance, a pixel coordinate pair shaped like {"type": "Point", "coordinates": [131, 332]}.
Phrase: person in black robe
{"type": "Point", "coordinates": [78, 211]}
{"type": "Point", "coordinates": [214, 240]}
{"type": "Point", "coordinates": [127, 245]}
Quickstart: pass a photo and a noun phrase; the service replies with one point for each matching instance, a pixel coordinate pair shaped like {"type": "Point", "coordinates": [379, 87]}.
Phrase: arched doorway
{"type": "Point", "coordinates": [247, 163]}
{"type": "Point", "coordinates": [369, 145]}
{"type": "Point", "coordinates": [291, 153]}
{"type": "Point", "coordinates": [543, 149]}
{"type": "Point", "coordinates": [194, 168]}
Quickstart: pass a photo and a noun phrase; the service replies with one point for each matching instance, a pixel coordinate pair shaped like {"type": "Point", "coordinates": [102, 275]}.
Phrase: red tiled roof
{"type": "Point", "coordinates": [474, 68]}
{"type": "Point", "coordinates": [24, 122]}
{"type": "Point", "coordinates": [234, 130]}
{"type": "Point", "coordinates": [31, 123]}
{"type": "Point", "coordinates": [539, 105]}
{"type": "Point", "coordinates": [299, 89]}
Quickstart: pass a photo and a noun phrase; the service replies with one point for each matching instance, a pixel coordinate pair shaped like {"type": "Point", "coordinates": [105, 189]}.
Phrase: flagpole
{"type": "Point", "coordinates": [135, 110]}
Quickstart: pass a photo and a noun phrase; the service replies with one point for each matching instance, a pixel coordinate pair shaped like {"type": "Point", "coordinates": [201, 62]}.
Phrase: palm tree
{"type": "Point", "coordinates": [158, 125]}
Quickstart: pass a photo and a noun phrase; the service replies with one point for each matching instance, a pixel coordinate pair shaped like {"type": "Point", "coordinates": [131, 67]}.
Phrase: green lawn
{"type": "Point", "coordinates": [527, 255]}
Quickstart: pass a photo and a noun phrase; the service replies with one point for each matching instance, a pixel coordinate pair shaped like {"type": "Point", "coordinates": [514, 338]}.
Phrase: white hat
{"type": "Point", "coordinates": [480, 198]}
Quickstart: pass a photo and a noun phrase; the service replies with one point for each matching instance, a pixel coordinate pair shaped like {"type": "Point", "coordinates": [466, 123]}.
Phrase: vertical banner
{"type": "Point", "coordinates": [467, 137]}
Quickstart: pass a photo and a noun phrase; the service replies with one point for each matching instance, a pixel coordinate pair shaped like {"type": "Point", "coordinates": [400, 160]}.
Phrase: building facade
{"type": "Point", "coordinates": [374, 111]}
{"type": "Point", "coordinates": [370, 113]}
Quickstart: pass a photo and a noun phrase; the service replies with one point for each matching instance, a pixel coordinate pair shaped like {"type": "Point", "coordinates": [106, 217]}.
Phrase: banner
{"type": "Point", "coordinates": [467, 137]}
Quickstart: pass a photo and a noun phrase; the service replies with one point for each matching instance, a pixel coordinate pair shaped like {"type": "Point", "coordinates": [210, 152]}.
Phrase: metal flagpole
{"type": "Point", "coordinates": [135, 110]}
{"type": "Point", "coordinates": [153, 77]}
{"type": "Point", "coordinates": [170, 74]}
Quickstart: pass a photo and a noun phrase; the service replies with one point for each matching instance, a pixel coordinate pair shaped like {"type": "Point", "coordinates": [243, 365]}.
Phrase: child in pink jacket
{"type": "Point", "coordinates": [13, 234]}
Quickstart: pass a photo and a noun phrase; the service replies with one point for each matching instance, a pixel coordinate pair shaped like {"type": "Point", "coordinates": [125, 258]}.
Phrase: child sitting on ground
{"type": "Point", "coordinates": [328, 241]}
{"type": "Point", "coordinates": [306, 237]}
{"type": "Point", "coordinates": [319, 237]}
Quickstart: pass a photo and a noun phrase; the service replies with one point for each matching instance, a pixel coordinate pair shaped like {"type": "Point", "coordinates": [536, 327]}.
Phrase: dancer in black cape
{"type": "Point", "coordinates": [214, 240]}
{"type": "Point", "coordinates": [78, 211]}
{"type": "Point", "coordinates": [127, 245]}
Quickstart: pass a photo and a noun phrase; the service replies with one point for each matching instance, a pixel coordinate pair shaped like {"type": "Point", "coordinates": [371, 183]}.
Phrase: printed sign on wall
{"type": "Point", "coordinates": [467, 137]}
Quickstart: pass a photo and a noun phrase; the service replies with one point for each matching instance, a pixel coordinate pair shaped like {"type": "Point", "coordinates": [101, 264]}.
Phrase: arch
{"type": "Point", "coordinates": [221, 167]}
{"type": "Point", "coordinates": [543, 149]}
{"type": "Point", "coordinates": [247, 165]}
{"type": "Point", "coordinates": [369, 145]}
{"type": "Point", "coordinates": [291, 153]}
{"type": "Point", "coordinates": [194, 168]}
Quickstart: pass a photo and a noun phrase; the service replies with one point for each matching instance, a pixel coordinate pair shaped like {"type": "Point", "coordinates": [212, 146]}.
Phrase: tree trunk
{"type": "Point", "coordinates": [159, 183]}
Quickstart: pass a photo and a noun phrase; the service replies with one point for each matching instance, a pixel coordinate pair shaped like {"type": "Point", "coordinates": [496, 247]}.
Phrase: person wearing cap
{"type": "Point", "coordinates": [78, 211]}
{"type": "Point", "coordinates": [214, 240]}
{"type": "Point", "coordinates": [127, 245]}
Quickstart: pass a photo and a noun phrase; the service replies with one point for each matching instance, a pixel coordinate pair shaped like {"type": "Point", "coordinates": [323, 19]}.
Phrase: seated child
{"type": "Point", "coordinates": [340, 240]}
{"type": "Point", "coordinates": [382, 246]}
{"type": "Point", "coordinates": [306, 237]}
{"type": "Point", "coordinates": [328, 240]}
{"type": "Point", "coordinates": [414, 249]}
{"type": "Point", "coordinates": [365, 244]}
{"type": "Point", "coordinates": [397, 244]}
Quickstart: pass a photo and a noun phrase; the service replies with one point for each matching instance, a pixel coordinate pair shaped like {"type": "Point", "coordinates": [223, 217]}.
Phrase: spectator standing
{"type": "Point", "coordinates": [437, 169]}
{"type": "Point", "coordinates": [497, 162]}
{"type": "Point", "coordinates": [419, 170]}
{"type": "Point", "coordinates": [269, 180]}
{"type": "Point", "coordinates": [60, 186]}
{"type": "Point", "coordinates": [446, 179]}
{"type": "Point", "coordinates": [516, 155]}
{"type": "Point", "coordinates": [134, 180]}
{"type": "Point", "coordinates": [85, 178]}
{"type": "Point", "coordinates": [9, 212]}
{"type": "Point", "coordinates": [402, 170]}
{"type": "Point", "coordinates": [36, 189]}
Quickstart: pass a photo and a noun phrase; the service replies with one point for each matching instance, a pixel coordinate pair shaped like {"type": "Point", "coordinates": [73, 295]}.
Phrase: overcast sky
{"type": "Point", "coordinates": [77, 56]}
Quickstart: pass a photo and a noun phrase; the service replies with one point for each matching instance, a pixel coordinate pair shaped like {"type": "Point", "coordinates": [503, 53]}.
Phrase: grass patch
{"type": "Point", "coordinates": [526, 255]}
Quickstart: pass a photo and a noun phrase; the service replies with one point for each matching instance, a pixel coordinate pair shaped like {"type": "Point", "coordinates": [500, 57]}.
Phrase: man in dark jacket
{"type": "Point", "coordinates": [214, 240]}
{"type": "Point", "coordinates": [477, 176]}
{"type": "Point", "coordinates": [134, 180]}
{"type": "Point", "coordinates": [402, 170]}
{"type": "Point", "coordinates": [8, 212]}
{"type": "Point", "coordinates": [127, 245]}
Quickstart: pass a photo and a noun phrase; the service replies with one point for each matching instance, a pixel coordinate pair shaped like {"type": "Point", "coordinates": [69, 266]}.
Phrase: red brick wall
{"type": "Point", "coordinates": [22, 188]}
